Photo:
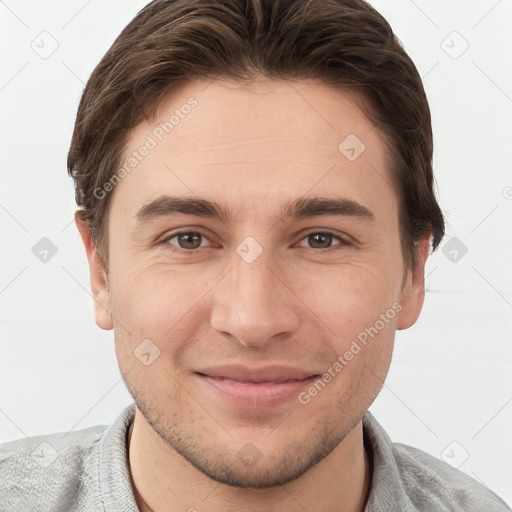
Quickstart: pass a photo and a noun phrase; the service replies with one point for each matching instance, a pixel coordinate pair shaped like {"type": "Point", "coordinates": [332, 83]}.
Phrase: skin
{"type": "Point", "coordinates": [253, 148]}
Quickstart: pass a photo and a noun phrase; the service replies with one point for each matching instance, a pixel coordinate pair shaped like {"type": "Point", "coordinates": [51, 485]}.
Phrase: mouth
{"type": "Point", "coordinates": [254, 389]}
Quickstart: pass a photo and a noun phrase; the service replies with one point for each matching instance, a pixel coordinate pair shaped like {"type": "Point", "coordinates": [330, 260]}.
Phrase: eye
{"type": "Point", "coordinates": [322, 240]}
{"type": "Point", "coordinates": [186, 241]}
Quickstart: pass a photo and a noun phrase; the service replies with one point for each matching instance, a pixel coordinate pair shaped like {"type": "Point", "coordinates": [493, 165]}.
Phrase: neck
{"type": "Point", "coordinates": [163, 480]}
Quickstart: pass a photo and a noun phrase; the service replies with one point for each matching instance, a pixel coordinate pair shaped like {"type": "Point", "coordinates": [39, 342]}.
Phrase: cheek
{"type": "Point", "coordinates": [160, 305]}
{"type": "Point", "coordinates": [153, 298]}
{"type": "Point", "coordinates": [360, 362]}
{"type": "Point", "coordinates": [350, 298]}
{"type": "Point", "coordinates": [358, 306]}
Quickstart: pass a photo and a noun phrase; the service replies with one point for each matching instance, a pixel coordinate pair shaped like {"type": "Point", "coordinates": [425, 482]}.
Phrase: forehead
{"type": "Point", "coordinates": [263, 140]}
{"type": "Point", "coordinates": [251, 116]}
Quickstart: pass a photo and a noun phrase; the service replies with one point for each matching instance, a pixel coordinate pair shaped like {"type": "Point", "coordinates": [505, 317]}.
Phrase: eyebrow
{"type": "Point", "coordinates": [165, 206]}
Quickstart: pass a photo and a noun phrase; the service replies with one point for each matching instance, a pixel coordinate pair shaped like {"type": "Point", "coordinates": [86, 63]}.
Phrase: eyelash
{"type": "Point", "coordinates": [166, 242]}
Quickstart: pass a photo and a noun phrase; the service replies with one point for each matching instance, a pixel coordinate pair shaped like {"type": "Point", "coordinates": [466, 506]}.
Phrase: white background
{"type": "Point", "coordinates": [450, 379]}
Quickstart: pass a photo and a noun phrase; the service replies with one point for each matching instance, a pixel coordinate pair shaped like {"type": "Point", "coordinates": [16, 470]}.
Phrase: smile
{"type": "Point", "coordinates": [251, 394]}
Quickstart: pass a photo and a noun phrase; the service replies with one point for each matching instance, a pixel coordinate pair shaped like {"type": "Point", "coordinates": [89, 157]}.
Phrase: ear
{"type": "Point", "coordinates": [413, 293]}
{"type": "Point", "coordinates": [99, 283]}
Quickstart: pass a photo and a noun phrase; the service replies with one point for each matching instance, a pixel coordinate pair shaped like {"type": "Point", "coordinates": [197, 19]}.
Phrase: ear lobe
{"type": "Point", "coordinates": [413, 293]}
{"type": "Point", "coordinates": [98, 277]}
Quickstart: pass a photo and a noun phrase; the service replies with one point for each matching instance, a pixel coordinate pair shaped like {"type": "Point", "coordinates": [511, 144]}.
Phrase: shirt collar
{"type": "Point", "coordinates": [387, 492]}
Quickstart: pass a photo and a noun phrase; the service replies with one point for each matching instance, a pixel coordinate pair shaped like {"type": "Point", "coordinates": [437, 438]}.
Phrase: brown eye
{"type": "Point", "coordinates": [189, 240]}
{"type": "Point", "coordinates": [324, 241]}
{"type": "Point", "coordinates": [320, 240]}
{"type": "Point", "coordinates": [186, 240]}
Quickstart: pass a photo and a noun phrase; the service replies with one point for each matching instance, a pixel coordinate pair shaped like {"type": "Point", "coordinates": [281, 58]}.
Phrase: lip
{"type": "Point", "coordinates": [270, 373]}
{"type": "Point", "coordinates": [255, 388]}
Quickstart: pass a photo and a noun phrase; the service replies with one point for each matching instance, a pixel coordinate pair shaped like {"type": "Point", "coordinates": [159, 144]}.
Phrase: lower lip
{"type": "Point", "coordinates": [256, 395]}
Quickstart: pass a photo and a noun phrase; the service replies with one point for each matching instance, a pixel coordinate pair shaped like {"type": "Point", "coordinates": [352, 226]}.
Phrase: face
{"type": "Point", "coordinates": [255, 276]}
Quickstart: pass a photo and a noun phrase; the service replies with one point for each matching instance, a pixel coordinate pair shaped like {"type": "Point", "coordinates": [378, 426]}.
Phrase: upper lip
{"type": "Point", "coordinates": [273, 373]}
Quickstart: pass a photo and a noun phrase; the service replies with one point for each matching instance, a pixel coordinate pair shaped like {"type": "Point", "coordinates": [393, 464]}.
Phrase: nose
{"type": "Point", "coordinates": [255, 304]}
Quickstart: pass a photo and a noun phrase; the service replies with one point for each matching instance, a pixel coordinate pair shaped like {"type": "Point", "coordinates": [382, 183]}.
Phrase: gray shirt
{"type": "Point", "coordinates": [87, 471]}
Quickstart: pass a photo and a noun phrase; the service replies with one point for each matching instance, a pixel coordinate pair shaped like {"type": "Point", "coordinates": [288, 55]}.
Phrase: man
{"type": "Point", "coordinates": [256, 202]}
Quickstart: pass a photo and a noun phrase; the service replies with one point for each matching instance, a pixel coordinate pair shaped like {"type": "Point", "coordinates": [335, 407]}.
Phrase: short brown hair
{"type": "Point", "coordinates": [343, 43]}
